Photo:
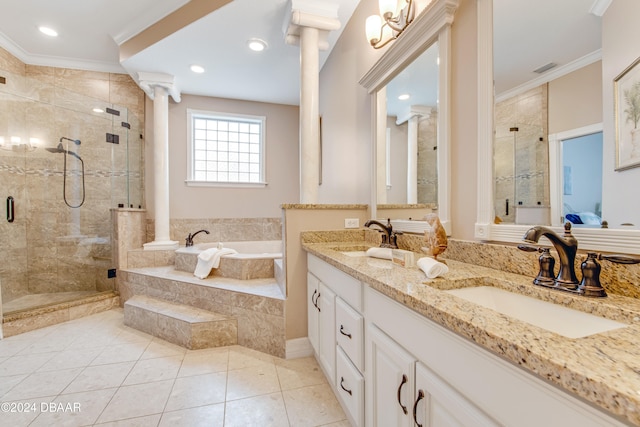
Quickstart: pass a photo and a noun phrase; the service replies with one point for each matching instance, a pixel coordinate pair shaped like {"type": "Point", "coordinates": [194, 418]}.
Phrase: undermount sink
{"type": "Point", "coordinates": [552, 317]}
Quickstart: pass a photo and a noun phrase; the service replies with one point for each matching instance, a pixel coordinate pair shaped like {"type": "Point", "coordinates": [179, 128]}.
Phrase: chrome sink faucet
{"type": "Point", "coordinates": [389, 237]}
{"type": "Point", "coordinates": [189, 239]}
{"type": "Point", "coordinates": [566, 246]}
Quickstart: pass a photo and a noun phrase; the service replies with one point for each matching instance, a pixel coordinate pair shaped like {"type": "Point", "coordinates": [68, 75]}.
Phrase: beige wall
{"type": "Point", "coordinates": [216, 202]}
{"type": "Point", "coordinates": [345, 107]}
{"type": "Point", "coordinates": [346, 110]}
{"type": "Point", "coordinates": [295, 221]}
{"type": "Point", "coordinates": [575, 100]}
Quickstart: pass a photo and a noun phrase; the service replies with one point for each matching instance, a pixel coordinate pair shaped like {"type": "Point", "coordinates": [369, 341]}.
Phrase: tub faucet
{"type": "Point", "coordinates": [389, 237]}
{"type": "Point", "coordinates": [566, 246]}
{"type": "Point", "coordinates": [190, 237]}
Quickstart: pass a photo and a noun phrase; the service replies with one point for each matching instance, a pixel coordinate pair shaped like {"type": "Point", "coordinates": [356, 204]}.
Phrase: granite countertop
{"type": "Point", "coordinates": [603, 369]}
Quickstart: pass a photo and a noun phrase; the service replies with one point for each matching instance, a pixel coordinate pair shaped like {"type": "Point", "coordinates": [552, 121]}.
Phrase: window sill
{"type": "Point", "coordinates": [191, 183]}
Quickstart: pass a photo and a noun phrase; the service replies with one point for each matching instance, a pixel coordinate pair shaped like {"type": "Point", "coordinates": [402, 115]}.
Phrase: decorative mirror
{"type": "Point", "coordinates": [426, 40]}
{"type": "Point", "coordinates": [559, 184]}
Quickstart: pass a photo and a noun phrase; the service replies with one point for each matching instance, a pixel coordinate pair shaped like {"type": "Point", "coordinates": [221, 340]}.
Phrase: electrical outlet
{"type": "Point", "coordinates": [351, 223]}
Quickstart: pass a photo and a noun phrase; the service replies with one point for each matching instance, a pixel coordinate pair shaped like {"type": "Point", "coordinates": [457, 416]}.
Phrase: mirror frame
{"type": "Point", "coordinates": [431, 25]}
{"type": "Point", "coordinates": [599, 239]}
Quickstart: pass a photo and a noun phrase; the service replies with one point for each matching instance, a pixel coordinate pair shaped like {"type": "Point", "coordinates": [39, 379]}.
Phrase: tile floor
{"type": "Point", "coordinates": [96, 371]}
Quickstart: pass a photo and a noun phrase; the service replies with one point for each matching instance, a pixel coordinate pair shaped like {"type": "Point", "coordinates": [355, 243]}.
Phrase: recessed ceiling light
{"type": "Point", "coordinates": [48, 31]}
{"type": "Point", "coordinates": [404, 97]}
{"type": "Point", "coordinates": [257, 45]}
{"type": "Point", "coordinates": [98, 110]}
{"type": "Point", "coordinates": [197, 69]}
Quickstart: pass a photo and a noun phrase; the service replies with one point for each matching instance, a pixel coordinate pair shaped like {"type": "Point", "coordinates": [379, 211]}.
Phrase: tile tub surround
{"type": "Point", "coordinates": [254, 260]}
{"type": "Point", "coordinates": [257, 304]}
{"type": "Point", "coordinates": [221, 229]}
{"type": "Point", "coordinates": [601, 369]}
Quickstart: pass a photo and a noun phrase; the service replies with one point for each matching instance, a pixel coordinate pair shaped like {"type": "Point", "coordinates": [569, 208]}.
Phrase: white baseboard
{"type": "Point", "coordinates": [299, 347]}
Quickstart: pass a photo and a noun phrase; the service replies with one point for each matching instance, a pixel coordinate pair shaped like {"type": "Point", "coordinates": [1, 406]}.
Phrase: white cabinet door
{"type": "Point", "coordinates": [437, 404]}
{"type": "Point", "coordinates": [312, 310]}
{"type": "Point", "coordinates": [390, 381]}
{"type": "Point", "coordinates": [326, 303]}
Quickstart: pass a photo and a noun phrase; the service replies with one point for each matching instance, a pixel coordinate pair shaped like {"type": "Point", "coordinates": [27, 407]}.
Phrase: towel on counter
{"type": "Point", "coordinates": [210, 258]}
{"type": "Point", "coordinates": [431, 267]}
{"type": "Point", "coordinates": [383, 253]}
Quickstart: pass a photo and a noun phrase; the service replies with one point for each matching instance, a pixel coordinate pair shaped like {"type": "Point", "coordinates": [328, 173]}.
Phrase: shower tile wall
{"type": "Point", "coordinates": [521, 159]}
{"type": "Point", "coordinates": [428, 159]}
{"type": "Point", "coordinates": [51, 247]}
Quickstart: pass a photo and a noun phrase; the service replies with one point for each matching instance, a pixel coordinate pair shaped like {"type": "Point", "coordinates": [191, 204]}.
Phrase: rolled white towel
{"type": "Point", "coordinates": [383, 253]}
{"type": "Point", "coordinates": [431, 267]}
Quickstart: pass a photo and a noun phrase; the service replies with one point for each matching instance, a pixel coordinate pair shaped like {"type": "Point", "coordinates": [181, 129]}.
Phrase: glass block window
{"type": "Point", "coordinates": [227, 149]}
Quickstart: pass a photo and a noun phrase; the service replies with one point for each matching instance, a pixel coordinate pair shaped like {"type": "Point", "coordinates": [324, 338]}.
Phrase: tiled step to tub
{"type": "Point", "coordinates": [189, 327]}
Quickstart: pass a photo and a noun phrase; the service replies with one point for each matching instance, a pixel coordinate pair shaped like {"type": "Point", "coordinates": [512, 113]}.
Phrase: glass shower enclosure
{"type": "Point", "coordinates": [521, 159]}
{"type": "Point", "coordinates": [66, 159]}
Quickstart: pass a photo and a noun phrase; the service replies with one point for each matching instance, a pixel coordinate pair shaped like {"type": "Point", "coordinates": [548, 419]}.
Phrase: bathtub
{"type": "Point", "coordinates": [254, 260]}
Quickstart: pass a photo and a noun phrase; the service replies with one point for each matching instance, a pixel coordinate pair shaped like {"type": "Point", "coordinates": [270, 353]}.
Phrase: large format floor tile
{"type": "Point", "coordinates": [96, 371]}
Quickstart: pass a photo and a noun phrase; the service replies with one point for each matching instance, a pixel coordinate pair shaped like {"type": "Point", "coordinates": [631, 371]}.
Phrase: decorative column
{"type": "Point", "coordinates": [158, 87]}
{"type": "Point", "coordinates": [412, 116]}
{"type": "Point", "coordinates": [308, 26]}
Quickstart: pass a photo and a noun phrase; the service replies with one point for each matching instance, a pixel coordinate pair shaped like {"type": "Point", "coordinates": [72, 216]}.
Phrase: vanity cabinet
{"type": "Point", "coordinates": [336, 332]}
{"type": "Point", "coordinates": [405, 392]}
{"type": "Point", "coordinates": [391, 366]}
{"type": "Point", "coordinates": [463, 384]}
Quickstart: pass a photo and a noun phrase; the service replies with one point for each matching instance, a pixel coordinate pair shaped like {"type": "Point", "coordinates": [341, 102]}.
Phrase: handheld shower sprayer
{"type": "Point", "coordinates": [60, 149]}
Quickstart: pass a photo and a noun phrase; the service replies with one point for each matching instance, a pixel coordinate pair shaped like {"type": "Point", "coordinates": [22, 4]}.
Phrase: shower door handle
{"type": "Point", "coordinates": [10, 209]}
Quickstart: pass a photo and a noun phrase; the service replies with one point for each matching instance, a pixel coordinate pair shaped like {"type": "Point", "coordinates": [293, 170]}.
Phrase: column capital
{"type": "Point", "coordinates": [319, 14]}
{"type": "Point", "coordinates": [420, 111]}
{"type": "Point", "coordinates": [148, 81]}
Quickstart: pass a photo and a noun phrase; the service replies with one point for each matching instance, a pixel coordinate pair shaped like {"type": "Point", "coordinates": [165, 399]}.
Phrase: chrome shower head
{"type": "Point", "coordinates": [75, 141]}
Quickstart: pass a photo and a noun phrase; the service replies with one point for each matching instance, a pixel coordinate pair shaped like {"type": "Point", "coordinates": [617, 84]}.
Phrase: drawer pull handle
{"type": "Point", "coordinates": [404, 381]}
{"type": "Point", "coordinates": [343, 332]}
{"type": "Point", "coordinates": [415, 407]}
{"type": "Point", "coordinates": [342, 386]}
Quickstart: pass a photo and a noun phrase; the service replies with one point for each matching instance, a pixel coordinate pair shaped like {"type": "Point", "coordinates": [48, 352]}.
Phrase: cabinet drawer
{"type": "Point", "coordinates": [350, 332]}
{"type": "Point", "coordinates": [345, 286]}
{"type": "Point", "coordinates": [350, 386]}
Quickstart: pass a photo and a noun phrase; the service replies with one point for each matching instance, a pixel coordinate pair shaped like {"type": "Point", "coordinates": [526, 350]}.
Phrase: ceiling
{"type": "Point", "coordinates": [527, 35]}
{"type": "Point", "coordinates": [88, 31]}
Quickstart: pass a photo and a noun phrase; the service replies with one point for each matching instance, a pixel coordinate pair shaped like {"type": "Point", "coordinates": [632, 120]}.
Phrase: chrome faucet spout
{"type": "Point", "coordinates": [566, 246]}
{"type": "Point", "coordinates": [189, 239]}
